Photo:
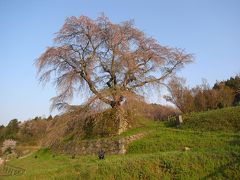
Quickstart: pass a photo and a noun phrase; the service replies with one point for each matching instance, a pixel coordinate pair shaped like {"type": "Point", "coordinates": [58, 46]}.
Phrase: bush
{"type": "Point", "coordinates": [9, 146]}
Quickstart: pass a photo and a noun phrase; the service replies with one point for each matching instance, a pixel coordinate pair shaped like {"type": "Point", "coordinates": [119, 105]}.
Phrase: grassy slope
{"type": "Point", "coordinates": [158, 155]}
{"type": "Point", "coordinates": [227, 119]}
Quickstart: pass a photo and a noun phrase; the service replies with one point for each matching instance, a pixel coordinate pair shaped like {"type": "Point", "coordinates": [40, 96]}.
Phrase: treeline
{"type": "Point", "coordinates": [10, 131]}
{"type": "Point", "coordinates": [202, 97]}
{"type": "Point", "coordinates": [28, 132]}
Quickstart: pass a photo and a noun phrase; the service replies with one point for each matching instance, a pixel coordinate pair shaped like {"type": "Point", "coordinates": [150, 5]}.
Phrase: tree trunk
{"type": "Point", "coordinates": [119, 114]}
{"type": "Point", "coordinates": [120, 119]}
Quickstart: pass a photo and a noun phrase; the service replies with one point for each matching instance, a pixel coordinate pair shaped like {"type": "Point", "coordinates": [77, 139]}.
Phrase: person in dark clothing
{"type": "Point", "coordinates": [101, 154]}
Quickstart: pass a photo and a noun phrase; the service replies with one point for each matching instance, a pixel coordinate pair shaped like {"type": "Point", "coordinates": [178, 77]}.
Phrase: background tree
{"type": "Point", "coordinates": [234, 83]}
{"type": "Point", "coordinates": [2, 129]}
{"type": "Point", "coordinates": [33, 130]}
{"type": "Point", "coordinates": [180, 95]}
{"type": "Point", "coordinates": [225, 95]}
{"type": "Point", "coordinates": [236, 101]}
{"type": "Point", "coordinates": [211, 99]}
{"type": "Point", "coordinates": [112, 61]}
{"type": "Point", "coordinates": [12, 129]}
{"type": "Point", "coordinates": [201, 97]}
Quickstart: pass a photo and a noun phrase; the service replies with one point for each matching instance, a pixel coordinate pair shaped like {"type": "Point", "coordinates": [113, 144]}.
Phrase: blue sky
{"type": "Point", "coordinates": [210, 29]}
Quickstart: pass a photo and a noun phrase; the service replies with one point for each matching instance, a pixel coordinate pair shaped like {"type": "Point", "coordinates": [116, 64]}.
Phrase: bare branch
{"type": "Point", "coordinates": [111, 59]}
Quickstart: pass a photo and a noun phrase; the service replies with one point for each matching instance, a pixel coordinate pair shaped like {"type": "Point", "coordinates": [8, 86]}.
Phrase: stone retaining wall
{"type": "Point", "coordinates": [93, 146]}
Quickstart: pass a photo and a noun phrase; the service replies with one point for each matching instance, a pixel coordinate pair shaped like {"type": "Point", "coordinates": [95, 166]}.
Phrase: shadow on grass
{"type": "Point", "coordinates": [230, 170]}
{"type": "Point", "coordinates": [221, 171]}
{"type": "Point", "coordinates": [236, 141]}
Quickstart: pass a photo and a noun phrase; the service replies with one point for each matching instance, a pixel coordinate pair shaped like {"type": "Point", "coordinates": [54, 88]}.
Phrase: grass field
{"type": "Point", "coordinates": [227, 120]}
{"type": "Point", "coordinates": [160, 154]}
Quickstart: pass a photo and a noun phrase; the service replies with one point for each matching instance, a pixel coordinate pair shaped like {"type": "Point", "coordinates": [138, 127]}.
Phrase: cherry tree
{"type": "Point", "coordinates": [112, 61]}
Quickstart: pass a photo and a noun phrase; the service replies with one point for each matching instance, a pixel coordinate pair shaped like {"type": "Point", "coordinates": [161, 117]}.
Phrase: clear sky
{"type": "Point", "coordinates": [210, 29]}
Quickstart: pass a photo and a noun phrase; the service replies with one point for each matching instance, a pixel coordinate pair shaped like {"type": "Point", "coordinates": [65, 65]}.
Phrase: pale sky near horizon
{"type": "Point", "coordinates": [209, 29]}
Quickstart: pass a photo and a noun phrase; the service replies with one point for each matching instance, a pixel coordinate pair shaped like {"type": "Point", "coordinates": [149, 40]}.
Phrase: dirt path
{"type": "Point", "coordinates": [22, 157]}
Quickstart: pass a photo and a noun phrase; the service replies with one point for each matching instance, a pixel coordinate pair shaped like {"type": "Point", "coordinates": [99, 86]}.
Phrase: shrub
{"type": "Point", "coordinates": [9, 146]}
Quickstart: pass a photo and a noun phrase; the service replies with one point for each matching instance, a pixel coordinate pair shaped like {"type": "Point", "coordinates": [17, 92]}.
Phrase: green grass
{"type": "Point", "coordinates": [158, 155]}
{"type": "Point", "coordinates": [227, 119]}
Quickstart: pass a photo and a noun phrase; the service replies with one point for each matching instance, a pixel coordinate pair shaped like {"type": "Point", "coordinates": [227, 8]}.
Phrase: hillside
{"type": "Point", "coordinates": [78, 125]}
{"type": "Point", "coordinates": [163, 153]}
{"type": "Point", "coordinates": [227, 119]}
